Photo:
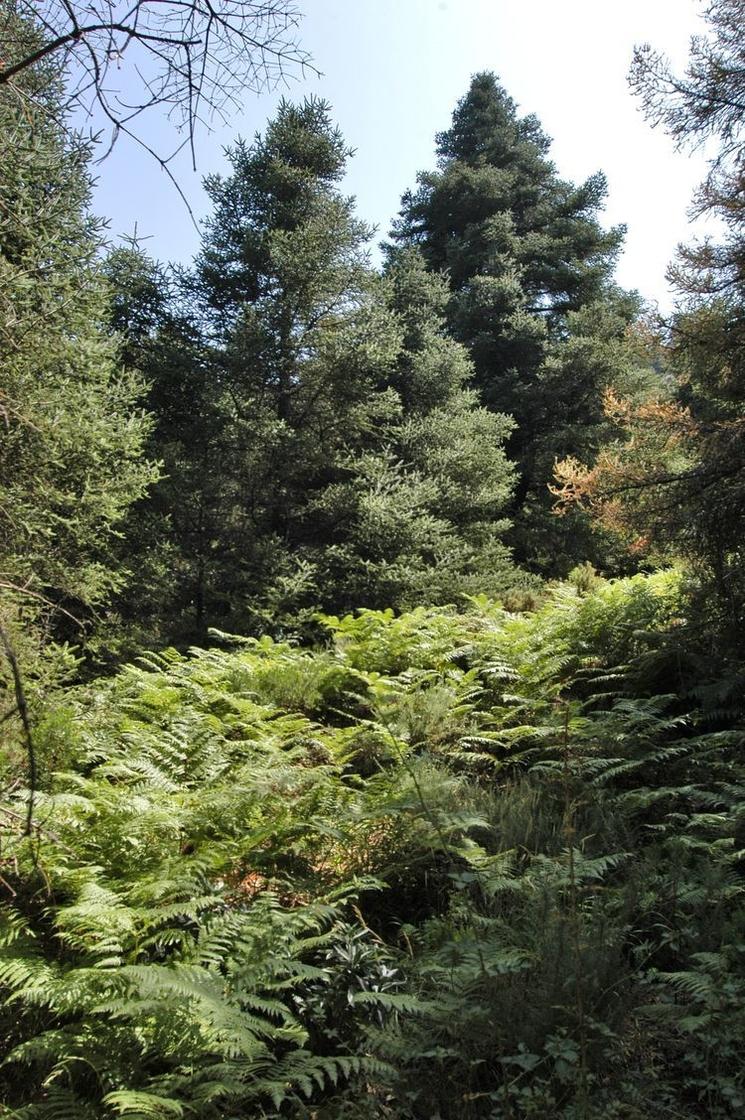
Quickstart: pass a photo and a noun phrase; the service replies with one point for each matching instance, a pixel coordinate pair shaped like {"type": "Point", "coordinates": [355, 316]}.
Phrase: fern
{"type": "Point", "coordinates": [448, 848]}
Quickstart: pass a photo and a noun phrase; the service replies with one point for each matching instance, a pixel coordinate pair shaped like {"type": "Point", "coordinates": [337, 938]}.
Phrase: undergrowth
{"type": "Point", "coordinates": [451, 865]}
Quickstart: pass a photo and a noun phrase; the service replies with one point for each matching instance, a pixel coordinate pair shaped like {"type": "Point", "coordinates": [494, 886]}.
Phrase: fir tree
{"type": "Point", "coordinates": [530, 268]}
{"type": "Point", "coordinates": [170, 534]}
{"type": "Point", "coordinates": [328, 452]}
{"type": "Point", "coordinates": [71, 450]}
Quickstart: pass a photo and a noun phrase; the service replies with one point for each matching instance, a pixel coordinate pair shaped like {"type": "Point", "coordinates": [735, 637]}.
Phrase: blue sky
{"type": "Point", "coordinates": [393, 71]}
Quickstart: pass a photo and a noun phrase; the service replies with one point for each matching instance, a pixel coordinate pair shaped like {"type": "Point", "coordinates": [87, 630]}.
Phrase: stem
{"type": "Point", "coordinates": [22, 709]}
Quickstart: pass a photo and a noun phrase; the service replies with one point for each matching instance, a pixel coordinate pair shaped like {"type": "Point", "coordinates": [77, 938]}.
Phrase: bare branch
{"type": "Point", "coordinates": [22, 709]}
{"type": "Point", "coordinates": [195, 59]}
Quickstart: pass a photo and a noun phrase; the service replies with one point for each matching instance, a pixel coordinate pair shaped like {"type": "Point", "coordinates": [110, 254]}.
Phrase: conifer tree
{"type": "Point", "coordinates": [530, 271]}
{"type": "Point", "coordinates": [422, 516]}
{"type": "Point", "coordinates": [674, 483]}
{"type": "Point", "coordinates": [170, 533]}
{"type": "Point", "coordinates": [329, 453]}
{"type": "Point", "coordinates": [73, 428]}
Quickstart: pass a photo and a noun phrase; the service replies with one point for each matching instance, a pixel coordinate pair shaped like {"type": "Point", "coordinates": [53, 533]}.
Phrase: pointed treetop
{"type": "Point", "coordinates": [486, 127]}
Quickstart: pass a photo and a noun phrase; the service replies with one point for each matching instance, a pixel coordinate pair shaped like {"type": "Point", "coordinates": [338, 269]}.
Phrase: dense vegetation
{"type": "Point", "coordinates": [472, 865]}
{"type": "Point", "coordinates": [454, 864]}
{"type": "Point", "coordinates": [320, 442]}
{"type": "Point", "coordinates": [443, 816]}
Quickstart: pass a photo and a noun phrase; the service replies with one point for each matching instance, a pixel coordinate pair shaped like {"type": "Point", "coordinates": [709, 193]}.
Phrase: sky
{"type": "Point", "coordinates": [393, 71]}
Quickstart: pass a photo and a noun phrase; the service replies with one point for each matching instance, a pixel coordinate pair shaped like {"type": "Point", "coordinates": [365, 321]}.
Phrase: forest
{"type": "Point", "coordinates": [372, 732]}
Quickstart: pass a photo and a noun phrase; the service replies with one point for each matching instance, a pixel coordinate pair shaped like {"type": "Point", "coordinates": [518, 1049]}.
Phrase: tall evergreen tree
{"type": "Point", "coordinates": [73, 428]}
{"type": "Point", "coordinates": [530, 270]}
{"type": "Point", "coordinates": [338, 458]}
{"type": "Point", "coordinates": [169, 534]}
{"type": "Point", "coordinates": [422, 516]}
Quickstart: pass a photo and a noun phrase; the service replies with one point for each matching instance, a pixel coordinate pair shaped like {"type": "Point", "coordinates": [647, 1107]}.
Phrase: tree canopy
{"type": "Point", "coordinates": [530, 270]}
{"type": "Point", "coordinates": [326, 449]}
{"type": "Point", "coordinates": [72, 451]}
{"type": "Point", "coordinates": [675, 482]}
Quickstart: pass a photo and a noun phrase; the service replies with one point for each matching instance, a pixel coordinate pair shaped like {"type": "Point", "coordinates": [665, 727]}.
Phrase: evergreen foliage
{"type": "Point", "coordinates": [674, 482]}
{"type": "Point", "coordinates": [532, 297]}
{"type": "Point", "coordinates": [467, 846]}
{"type": "Point", "coordinates": [71, 453]}
{"type": "Point", "coordinates": [320, 443]}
